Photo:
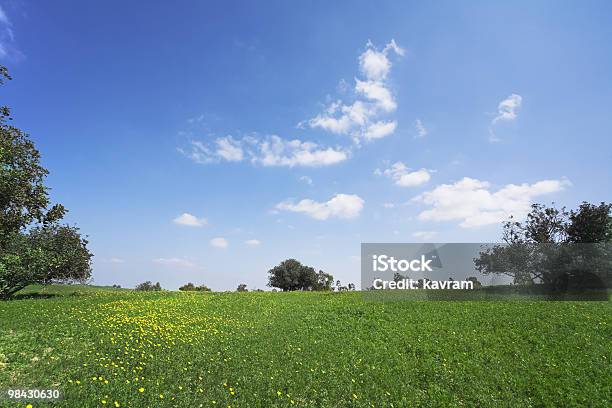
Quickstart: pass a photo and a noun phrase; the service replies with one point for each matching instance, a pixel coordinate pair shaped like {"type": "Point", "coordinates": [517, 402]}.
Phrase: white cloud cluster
{"type": "Point", "coordinates": [268, 151]}
{"type": "Point", "coordinates": [339, 206]}
{"type": "Point", "coordinates": [402, 176]}
{"type": "Point", "coordinates": [362, 119]}
{"type": "Point", "coordinates": [115, 260]}
{"type": "Point", "coordinates": [229, 149]}
{"type": "Point", "coordinates": [175, 262]}
{"type": "Point", "coordinates": [7, 38]}
{"type": "Point", "coordinates": [219, 242]}
{"type": "Point", "coordinates": [421, 130]}
{"type": "Point", "coordinates": [473, 203]}
{"type": "Point", "coordinates": [252, 242]}
{"type": "Point", "coordinates": [278, 152]}
{"type": "Point", "coordinates": [306, 180]}
{"type": "Point", "coordinates": [190, 220]}
{"type": "Point", "coordinates": [507, 109]}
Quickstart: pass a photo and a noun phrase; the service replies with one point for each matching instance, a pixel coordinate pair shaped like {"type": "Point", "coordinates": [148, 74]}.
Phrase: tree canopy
{"type": "Point", "coordinates": [554, 247]}
{"type": "Point", "coordinates": [291, 275]}
{"type": "Point", "coordinates": [191, 287]}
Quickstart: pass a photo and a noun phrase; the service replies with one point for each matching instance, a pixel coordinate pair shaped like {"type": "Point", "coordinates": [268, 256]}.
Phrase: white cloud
{"type": "Point", "coordinates": [403, 177]}
{"type": "Point", "coordinates": [114, 260]}
{"type": "Point", "coordinates": [389, 205]}
{"type": "Point", "coordinates": [306, 180]}
{"type": "Point", "coordinates": [472, 202]}
{"type": "Point", "coordinates": [275, 151]}
{"type": "Point", "coordinates": [199, 153]}
{"type": "Point", "coordinates": [175, 262]}
{"type": "Point", "coordinates": [421, 130]}
{"type": "Point", "coordinates": [424, 235]}
{"type": "Point", "coordinates": [343, 119]}
{"type": "Point", "coordinates": [267, 151]}
{"type": "Point", "coordinates": [253, 242]}
{"type": "Point", "coordinates": [361, 118]}
{"type": "Point", "coordinates": [507, 109]}
{"type": "Point", "coordinates": [394, 47]}
{"type": "Point", "coordinates": [219, 242]}
{"type": "Point", "coordinates": [190, 220]}
{"type": "Point", "coordinates": [229, 149]}
{"type": "Point", "coordinates": [340, 206]}
{"type": "Point", "coordinates": [7, 37]}
{"type": "Point", "coordinates": [374, 64]}
{"type": "Point", "coordinates": [3, 17]}
{"type": "Point", "coordinates": [377, 91]}
{"type": "Point", "coordinates": [380, 129]}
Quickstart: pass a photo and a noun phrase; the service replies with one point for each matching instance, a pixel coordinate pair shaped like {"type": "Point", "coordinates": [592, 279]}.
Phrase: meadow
{"type": "Point", "coordinates": [121, 348]}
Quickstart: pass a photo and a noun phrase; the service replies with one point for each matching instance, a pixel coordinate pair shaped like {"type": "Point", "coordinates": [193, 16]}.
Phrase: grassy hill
{"type": "Point", "coordinates": [112, 347]}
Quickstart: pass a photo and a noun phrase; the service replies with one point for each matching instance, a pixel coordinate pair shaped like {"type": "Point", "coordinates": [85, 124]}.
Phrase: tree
{"type": "Point", "coordinates": [324, 281]}
{"type": "Point", "coordinates": [188, 287]}
{"type": "Point", "coordinates": [398, 277]}
{"type": "Point", "coordinates": [148, 286]}
{"type": "Point", "coordinates": [590, 223]}
{"type": "Point", "coordinates": [549, 248]}
{"type": "Point", "coordinates": [191, 287]}
{"type": "Point", "coordinates": [34, 247]}
{"type": "Point", "coordinates": [291, 275]}
{"type": "Point", "coordinates": [242, 288]}
{"type": "Point", "coordinates": [63, 251]}
{"type": "Point", "coordinates": [475, 282]}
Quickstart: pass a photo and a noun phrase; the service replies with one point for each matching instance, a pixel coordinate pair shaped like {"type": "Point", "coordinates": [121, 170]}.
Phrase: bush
{"type": "Point", "coordinates": [148, 286]}
{"type": "Point", "coordinates": [191, 287]}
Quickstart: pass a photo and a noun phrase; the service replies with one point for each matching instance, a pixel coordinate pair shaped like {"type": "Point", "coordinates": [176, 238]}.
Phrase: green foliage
{"type": "Point", "coordinates": [242, 288]}
{"type": "Point", "coordinates": [316, 349]}
{"type": "Point", "coordinates": [191, 287]}
{"type": "Point", "coordinates": [34, 247]}
{"type": "Point", "coordinates": [590, 223]}
{"type": "Point", "coordinates": [476, 282]}
{"type": "Point", "coordinates": [554, 247]}
{"type": "Point", "coordinates": [148, 286]}
{"type": "Point", "coordinates": [291, 275]}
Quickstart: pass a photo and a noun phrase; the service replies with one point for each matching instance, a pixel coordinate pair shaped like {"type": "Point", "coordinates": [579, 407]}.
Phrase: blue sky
{"type": "Point", "coordinates": [208, 141]}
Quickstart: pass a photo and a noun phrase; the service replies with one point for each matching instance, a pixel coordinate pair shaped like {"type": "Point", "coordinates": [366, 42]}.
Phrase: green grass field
{"type": "Point", "coordinates": [119, 348]}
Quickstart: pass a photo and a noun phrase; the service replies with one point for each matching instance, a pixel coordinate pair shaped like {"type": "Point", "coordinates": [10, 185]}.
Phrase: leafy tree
{"type": "Point", "coordinates": [188, 287]}
{"type": "Point", "coordinates": [324, 281]}
{"type": "Point", "coordinates": [242, 288]}
{"type": "Point", "coordinates": [191, 287]}
{"type": "Point", "coordinates": [63, 251]}
{"type": "Point", "coordinates": [547, 248]}
{"type": "Point", "coordinates": [291, 275]}
{"type": "Point", "coordinates": [34, 247]}
{"type": "Point", "coordinates": [398, 277]}
{"type": "Point", "coordinates": [590, 223]}
{"type": "Point", "coordinates": [148, 286]}
{"type": "Point", "coordinates": [475, 281]}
